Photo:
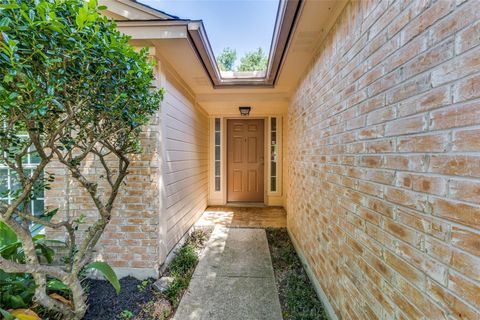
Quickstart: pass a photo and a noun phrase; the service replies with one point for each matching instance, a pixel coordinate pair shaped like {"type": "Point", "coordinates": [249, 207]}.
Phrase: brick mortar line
{"type": "Point", "coordinates": [416, 210]}
{"type": "Point", "coordinates": [401, 81]}
{"type": "Point", "coordinates": [396, 273]}
{"type": "Point", "coordinates": [413, 172]}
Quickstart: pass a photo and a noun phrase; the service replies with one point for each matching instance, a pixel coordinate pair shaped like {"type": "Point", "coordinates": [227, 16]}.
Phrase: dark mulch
{"type": "Point", "coordinates": [137, 299]}
{"type": "Point", "coordinates": [297, 296]}
{"type": "Point", "coordinates": [105, 304]}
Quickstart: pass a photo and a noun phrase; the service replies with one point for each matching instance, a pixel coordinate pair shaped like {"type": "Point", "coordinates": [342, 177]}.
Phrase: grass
{"type": "Point", "coordinates": [298, 298]}
{"type": "Point", "coordinates": [144, 285]}
{"type": "Point", "coordinates": [126, 314]}
{"type": "Point", "coordinates": [182, 266]}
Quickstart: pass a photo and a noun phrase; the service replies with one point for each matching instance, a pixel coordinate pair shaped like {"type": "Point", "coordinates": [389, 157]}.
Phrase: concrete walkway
{"type": "Point", "coordinates": [234, 279]}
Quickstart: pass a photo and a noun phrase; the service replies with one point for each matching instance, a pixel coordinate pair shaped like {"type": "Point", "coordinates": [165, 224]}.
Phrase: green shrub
{"type": "Point", "coordinates": [71, 88]}
{"type": "Point", "coordinates": [181, 269]}
{"type": "Point", "coordinates": [17, 289]}
{"type": "Point", "coordinates": [185, 260]}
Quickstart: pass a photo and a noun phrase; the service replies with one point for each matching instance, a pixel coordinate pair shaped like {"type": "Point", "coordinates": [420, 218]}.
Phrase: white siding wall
{"type": "Point", "coordinates": [185, 168]}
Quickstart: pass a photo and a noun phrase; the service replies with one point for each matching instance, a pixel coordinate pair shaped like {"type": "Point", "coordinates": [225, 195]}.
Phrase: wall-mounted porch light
{"type": "Point", "coordinates": [245, 111]}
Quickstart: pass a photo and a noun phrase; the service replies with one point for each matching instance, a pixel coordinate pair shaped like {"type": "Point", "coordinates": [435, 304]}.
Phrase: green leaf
{"type": "Point", "coordinates": [54, 242]}
{"type": "Point", "coordinates": [5, 37]}
{"type": "Point", "coordinates": [16, 301]}
{"type": "Point", "coordinates": [7, 235]}
{"type": "Point", "coordinates": [9, 6]}
{"type": "Point", "coordinates": [10, 251]}
{"type": "Point", "coordinates": [47, 252]}
{"type": "Point", "coordinates": [107, 272]}
{"type": "Point", "coordinates": [38, 237]}
{"type": "Point", "coordinates": [92, 4]}
{"type": "Point", "coordinates": [5, 24]}
{"type": "Point", "coordinates": [6, 315]}
{"type": "Point", "coordinates": [49, 215]}
{"type": "Point", "coordinates": [7, 78]}
{"type": "Point", "coordinates": [57, 285]}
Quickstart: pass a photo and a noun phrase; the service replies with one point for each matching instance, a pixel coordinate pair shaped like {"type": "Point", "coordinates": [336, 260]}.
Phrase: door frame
{"type": "Point", "coordinates": [271, 198]}
{"type": "Point", "coordinates": [265, 153]}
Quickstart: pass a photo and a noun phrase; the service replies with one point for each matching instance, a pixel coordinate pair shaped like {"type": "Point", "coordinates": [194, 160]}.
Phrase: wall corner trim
{"type": "Point", "coordinates": [316, 284]}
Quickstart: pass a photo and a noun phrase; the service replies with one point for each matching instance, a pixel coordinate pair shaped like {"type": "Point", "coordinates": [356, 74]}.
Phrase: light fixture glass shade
{"type": "Point", "coordinates": [245, 111]}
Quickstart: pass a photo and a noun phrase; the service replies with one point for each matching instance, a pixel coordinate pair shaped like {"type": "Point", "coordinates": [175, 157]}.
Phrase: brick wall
{"type": "Point", "coordinates": [163, 195]}
{"type": "Point", "coordinates": [130, 241]}
{"type": "Point", "coordinates": [384, 163]}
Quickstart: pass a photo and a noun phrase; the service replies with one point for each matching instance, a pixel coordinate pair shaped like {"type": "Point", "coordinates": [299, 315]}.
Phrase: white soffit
{"type": "Point", "coordinates": [173, 42]}
{"type": "Point", "coordinates": [132, 10]}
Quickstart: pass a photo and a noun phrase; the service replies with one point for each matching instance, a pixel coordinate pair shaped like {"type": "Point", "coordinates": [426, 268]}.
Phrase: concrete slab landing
{"type": "Point", "coordinates": [234, 279]}
{"type": "Point", "coordinates": [244, 217]}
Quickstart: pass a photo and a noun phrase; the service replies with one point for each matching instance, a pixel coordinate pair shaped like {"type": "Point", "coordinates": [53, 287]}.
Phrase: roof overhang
{"type": "Point", "coordinates": [131, 9]}
{"type": "Point", "coordinates": [194, 32]}
{"type": "Point", "coordinates": [180, 59]}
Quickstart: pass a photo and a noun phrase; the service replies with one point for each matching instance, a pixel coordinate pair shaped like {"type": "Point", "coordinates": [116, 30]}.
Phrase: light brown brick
{"type": "Point", "coordinates": [464, 288]}
{"type": "Point", "coordinates": [467, 89]}
{"type": "Point", "coordinates": [465, 190]}
{"type": "Point", "coordinates": [455, 21]}
{"type": "Point", "coordinates": [426, 19]}
{"type": "Point", "coordinates": [423, 143]}
{"type": "Point", "coordinates": [455, 116]}
{"type": "Point", "coordinates": [467, 166]}
{"type": "Point", "coordinates": [468, 38]}
{"type": "Point", "coordinates": [459, 309]}
{"type": "Point", "coordinates": [466, 239]}
{"type": "Point", "coordinates": [459, 67]}
{"type": "Point", "coordinates": [429, 100]}
{"type": "Point", "coordinates": [466, 214]}
{"type": "Point", "coordinates": [406, 126]}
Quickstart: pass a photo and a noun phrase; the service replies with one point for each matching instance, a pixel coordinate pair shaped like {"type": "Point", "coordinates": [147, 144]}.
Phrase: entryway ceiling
{"type": "Point", "coordinates": [178, 52]}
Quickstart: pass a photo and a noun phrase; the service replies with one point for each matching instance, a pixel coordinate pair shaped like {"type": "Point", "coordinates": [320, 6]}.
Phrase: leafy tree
{"type": "Point", "coordinates": [75, 90]}
{"type": "Point", "coordinates": [255, 60]}
{"type": "Point", "coordinates": [226, 59]}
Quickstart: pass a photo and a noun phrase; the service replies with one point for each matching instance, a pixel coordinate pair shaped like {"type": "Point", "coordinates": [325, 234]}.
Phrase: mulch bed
{"type": "Point", "coordinates": [105, 304]}
{"type": "Point", "coordinates": [137, 300]}
{"type": "Point", "coordinates": [298, 298]}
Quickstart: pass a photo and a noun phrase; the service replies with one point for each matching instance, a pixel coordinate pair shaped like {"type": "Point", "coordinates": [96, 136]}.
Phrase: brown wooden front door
{"type": "Point", "coordinates": [245, 160]}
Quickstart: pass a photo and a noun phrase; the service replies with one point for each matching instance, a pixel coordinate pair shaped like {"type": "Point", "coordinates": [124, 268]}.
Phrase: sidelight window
{"type": "Point", "coordinates": [217, 153]}
{"type": "Point", "coordinates": [273, 154]}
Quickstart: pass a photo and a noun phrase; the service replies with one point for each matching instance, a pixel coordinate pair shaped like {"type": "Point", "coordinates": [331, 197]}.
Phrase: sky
{"type": "Point", "coordinates": [243, 25]}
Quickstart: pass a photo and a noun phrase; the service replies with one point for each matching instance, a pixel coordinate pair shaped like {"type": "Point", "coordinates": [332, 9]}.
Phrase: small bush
{"type": "Point", "coordinates": [183, 265]}
{"type": "Point", "coordinates": [185, 260]}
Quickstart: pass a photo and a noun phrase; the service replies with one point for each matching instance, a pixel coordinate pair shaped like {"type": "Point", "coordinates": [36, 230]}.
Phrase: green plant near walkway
{"type": "Point", "coordinates": [126, 314]}
{"type": "Point", "coordinates": [298, 298]}
{"type": "Point", "coordinates": [183, 265]}
{"type": "Point", "coordinates": [181, 269]}
{"type": "Point", "coordinates": [144, 284]}
{"type": "Point", "coordinates": [71, 89]}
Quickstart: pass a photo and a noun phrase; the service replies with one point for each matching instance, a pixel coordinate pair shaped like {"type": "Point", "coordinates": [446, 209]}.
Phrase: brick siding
{"type": "Point", "coordinates": [131, 238]}
{"type": "Point", "coordinates": [383, 158]}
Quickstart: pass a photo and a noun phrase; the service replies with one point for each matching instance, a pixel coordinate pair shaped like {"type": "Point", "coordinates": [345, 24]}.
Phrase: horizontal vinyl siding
{"type": "Point", "coordinates": [185, 163]}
